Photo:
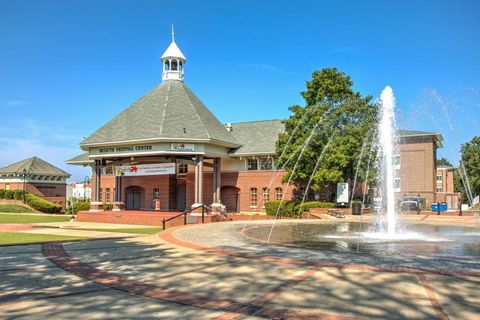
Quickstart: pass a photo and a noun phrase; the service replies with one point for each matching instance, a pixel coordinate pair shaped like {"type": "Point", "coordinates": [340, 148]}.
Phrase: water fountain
{"type": "Point", "coordinates": [385, 233]}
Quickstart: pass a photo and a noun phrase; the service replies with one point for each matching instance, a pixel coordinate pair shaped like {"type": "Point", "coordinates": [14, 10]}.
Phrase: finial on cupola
{"type": "Point", "coordinates": [173, 61]}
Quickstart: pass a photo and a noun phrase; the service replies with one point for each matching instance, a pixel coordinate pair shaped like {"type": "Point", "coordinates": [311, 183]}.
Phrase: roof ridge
{"type": "Point", "coordinates": [269, 120]}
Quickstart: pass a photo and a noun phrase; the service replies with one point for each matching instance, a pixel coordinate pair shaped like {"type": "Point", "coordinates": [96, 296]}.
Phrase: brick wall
{"type": "Point", "coordinates": [417, 171]}
{"type": "Point", "coordinates": [236, 185]}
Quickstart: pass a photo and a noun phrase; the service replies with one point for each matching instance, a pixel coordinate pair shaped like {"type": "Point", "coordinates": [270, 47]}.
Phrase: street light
{"type": "Point", "coordinates": [24, 174]}
{"type": "Point", "coordinates": [85, 181]}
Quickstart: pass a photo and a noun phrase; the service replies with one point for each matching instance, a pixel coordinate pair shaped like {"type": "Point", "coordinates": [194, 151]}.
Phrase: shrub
{"type": "Point", "coordinates": [79, 206]}
{"type": "Point", "coordinates": [107, 206]}
{"type": "Point", "coordinates": [18, 194]}
{"type": "Point", "coordinates": [41, 204]}
{"type": "Point", "coordinates": [9, 194]}
{"type": "Point", "coordinates": [285, 208]}
{"type": "Point", "coordinates": [2, 193]}
{"type": "Point", "coordinates": [314, 204]}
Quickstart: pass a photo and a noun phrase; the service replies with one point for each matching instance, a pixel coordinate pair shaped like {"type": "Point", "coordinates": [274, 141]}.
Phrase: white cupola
{"type": "Point", "coordinates": [173, 62]}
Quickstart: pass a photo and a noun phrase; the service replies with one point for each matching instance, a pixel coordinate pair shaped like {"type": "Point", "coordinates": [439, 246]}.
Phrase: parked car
{"type": "Point", "coordinates": [410, 204]}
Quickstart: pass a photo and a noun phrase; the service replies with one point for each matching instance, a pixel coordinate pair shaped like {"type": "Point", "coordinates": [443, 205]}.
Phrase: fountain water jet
{"type": "Point", "coordinates": [386, 138]}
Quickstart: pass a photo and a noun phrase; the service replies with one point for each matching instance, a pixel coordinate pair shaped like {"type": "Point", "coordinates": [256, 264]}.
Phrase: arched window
{"type": "Point", "coordinates": [174, 65]}
{"type": "Point", "coordinates": [167, 65]}
{"type": "Point", "coordinates": [266, 195]}
{"type": "Point", "coordinates": [278, 193]}
{"type": "Point", "coordinates": [253, 197]}
{"type": "Point", "coordinates": [180, 66]}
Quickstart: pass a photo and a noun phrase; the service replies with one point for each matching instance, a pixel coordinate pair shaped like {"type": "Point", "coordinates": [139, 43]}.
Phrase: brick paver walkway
{"type": "Point", "coordinates": [170, 276]}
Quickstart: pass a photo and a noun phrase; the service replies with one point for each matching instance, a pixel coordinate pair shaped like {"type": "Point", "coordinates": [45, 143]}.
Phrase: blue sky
{"type": "Point", "coordinates": [67, 67]}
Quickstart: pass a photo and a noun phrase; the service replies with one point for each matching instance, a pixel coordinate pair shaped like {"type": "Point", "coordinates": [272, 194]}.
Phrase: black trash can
{"type": "Point", "coordinates": [357, 208]}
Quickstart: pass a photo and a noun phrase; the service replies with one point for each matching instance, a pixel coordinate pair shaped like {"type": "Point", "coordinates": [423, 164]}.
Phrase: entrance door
{"type": "Point", "coordinates": [181, 196]}
{"type": "Point", "coordinates": [133, 196]}
{"type": "Point", "coordinates": [230, 198]}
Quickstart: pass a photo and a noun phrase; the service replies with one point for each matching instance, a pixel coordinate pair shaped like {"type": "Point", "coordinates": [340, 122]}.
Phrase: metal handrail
{"type": "Point", "coordinates": [184, 213]}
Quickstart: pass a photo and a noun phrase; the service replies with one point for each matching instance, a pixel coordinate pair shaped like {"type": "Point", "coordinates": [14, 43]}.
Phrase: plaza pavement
{"type": "Point", "coordinates": [212, 272]}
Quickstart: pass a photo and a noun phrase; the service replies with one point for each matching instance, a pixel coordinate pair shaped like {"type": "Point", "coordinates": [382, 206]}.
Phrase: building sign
{"type": "Point", "coordinates": [182, 147]}
{"type": "Point", "coordinates": [145, 169]}
{"type": "Point", "coordinates": [125, 149]}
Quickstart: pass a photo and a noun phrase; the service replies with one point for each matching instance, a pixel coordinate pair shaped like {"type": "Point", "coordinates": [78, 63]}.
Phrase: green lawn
{"type": "Point", "coordinates": [139, 230]}
{"type": "Point", "coordinates": [13, 208]}
{"type": "Point", "coordinates": [21, 238]}
{"type": "Point", "coordinates": [32, 218]}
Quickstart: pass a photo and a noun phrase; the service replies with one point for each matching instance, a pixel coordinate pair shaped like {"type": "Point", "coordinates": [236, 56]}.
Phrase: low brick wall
{"type": "Point", "coordinates": [139, 218]}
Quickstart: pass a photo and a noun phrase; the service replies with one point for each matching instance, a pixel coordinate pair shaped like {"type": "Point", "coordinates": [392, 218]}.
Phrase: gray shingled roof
{"type": "Point", "coordinates": [257, 137]}
{"type": "Point", "coordinates": [34, 165]}
{"type": "Point", "coordinates": [169, 111]}
{"type": "Point", "coordinates": [80, 159]}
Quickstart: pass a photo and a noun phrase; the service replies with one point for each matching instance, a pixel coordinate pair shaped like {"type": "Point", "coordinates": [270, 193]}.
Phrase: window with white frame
{"type": "Point", "coordinates": [156, 193]}
{"type": "Point", "coordinates": [266, 195]}
{"type": "Point", "coordinates": [266, 164]}
{"type": "Point", "coordinates": [439, 178]}
{"type": "Point", "coordinates": [107, 195]}
{"type": "Point", "coordinates": [396, 184]}
{"type": "Point", "coordinates": [252, 164]}
{"type": "Point", "coordinates": [182, 168]}
{"type": "Point", "coordinates": [253, 197]}
{"type": "Point", "coordinates": [278, 193]}
{"type": "Point", "coordinates": [439, 189]}
{"type": "Point", "coordinates": [396, 161]}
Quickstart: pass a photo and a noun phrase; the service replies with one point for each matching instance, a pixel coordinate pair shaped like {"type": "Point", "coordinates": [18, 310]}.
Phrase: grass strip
{"type": "Point", "coordinates": [32, 218]}
{"type": "Point", "coordinates": [22, 238]}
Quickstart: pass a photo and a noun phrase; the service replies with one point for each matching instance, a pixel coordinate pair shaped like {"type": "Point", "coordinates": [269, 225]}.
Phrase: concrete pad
{"type": "Point", "coordinates": [371, 295]}
{"type": "Point", "coordinates": [110, 304]}
{"type": "Point", "coordinates": [239, 282]}
{"type": "Point", "coordinates": [458, 296]}
{"type": "Point", "coordinates": [78, 233]}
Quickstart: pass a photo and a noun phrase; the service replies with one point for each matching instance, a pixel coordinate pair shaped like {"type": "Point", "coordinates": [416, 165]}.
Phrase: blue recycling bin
{"type": "Point", "coordinates": [436, 207]}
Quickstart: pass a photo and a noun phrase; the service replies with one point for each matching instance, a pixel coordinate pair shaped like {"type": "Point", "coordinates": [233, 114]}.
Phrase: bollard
{"type": "Point", "coordinates": [203, 214]}
{"type": "Point", "coordinates": [185, 218]}
{"type": "Point", "coordinates": [163, 223]}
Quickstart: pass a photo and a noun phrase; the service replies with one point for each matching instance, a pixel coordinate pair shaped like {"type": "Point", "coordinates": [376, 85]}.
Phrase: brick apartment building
{"type": "Point", "coordinates": [168, 148]}
{"type": "Point", "coordinates": [38, 177]}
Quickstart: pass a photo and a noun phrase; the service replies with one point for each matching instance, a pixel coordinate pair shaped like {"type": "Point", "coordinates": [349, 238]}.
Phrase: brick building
{"type": "Point", "coordinates": [36, 176]}
{"type": "Point", "coordinates": [167, 148]}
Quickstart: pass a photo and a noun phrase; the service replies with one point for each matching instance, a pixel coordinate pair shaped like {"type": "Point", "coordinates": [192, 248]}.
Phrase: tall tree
{"type": "Point", "coordinates": [469, 169]}
{"type": "Point", "coordinates": [335, 118]}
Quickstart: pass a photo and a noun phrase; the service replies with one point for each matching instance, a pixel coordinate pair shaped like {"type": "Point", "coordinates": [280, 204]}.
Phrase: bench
{"type": "Point", "coordinates": [336, 213]}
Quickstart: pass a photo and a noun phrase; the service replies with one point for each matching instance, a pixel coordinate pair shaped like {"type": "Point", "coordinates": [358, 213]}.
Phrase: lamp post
{"type": "Point", "coordinates": [24, 174]}
{"type": "Point", "coordinates": [85, 181]}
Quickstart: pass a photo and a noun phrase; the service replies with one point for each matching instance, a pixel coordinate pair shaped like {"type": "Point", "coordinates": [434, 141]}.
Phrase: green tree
{"type": "Point", "coordinates": [336, 118]}
{"type": "Point", "coordinates": [444, 162]}
{"type": "Point", "coordinates": [469, 169]}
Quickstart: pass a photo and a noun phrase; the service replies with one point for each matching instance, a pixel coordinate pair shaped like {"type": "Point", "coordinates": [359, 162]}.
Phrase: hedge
{"type": "Point", "coordinates": [314, 204]}
{"type": "Point", "coordinates": [293, 208]}
{"type": "Point", "coordinates": [41, 204]}
{"type": "Point", "coordinates": [2, 193]}
{"type": "Point", "coordinates": [9, 194]}
{"type": "Point", "coordinates": [79, 206]}
{"type": "Point", "coordinates": [18, 194]}
{"type": "Point", "coordinates": [107, 206]}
